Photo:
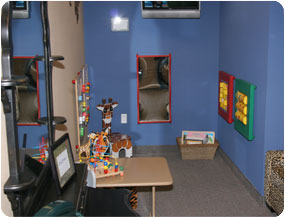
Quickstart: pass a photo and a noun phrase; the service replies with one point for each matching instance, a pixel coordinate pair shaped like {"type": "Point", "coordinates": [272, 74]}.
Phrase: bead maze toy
{"type": "Point", "coordinates": [99, 159]}
{"type": "Point", "coordinates": [244, 108]}
{"type": "Point", "coordinates": [82, 90]}
{"type": "Point", "coordinates": [107, 113]}
{"type": "Point", "coordinates": [225, 107]}
{"type": "Point", "coordinates": [43, 151]}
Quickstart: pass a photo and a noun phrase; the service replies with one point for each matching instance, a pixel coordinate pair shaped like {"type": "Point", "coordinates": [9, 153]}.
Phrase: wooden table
{"type": "Point", "coordinates": [150, 171]}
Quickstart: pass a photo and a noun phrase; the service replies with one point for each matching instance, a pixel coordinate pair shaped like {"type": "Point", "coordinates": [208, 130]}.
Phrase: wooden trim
{"type": "Point", "coordinates": [77, 113]}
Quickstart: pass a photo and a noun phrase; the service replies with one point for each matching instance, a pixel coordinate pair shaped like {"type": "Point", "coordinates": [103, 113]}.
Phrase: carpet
{"type": "Point", "coordinates": [201, 188]}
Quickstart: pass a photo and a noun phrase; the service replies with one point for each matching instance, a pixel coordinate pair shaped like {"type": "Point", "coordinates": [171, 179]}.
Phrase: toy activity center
{"type": "Point", "coordinates": [142, 108]}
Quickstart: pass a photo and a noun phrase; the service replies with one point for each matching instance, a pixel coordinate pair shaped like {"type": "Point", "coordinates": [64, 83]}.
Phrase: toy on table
{"type": "Point", "coordinates": [43, 151]}
{"type": "Point", "coordinates": [117, 141]}
{"type": "Point", "coordinates": [97, 156]}
{"type": "Point", "coordinates": [107, 113]}
{"type": "Point", "coordinates": [83, 152]}
{"type": "Point", "coordinates": [103, 163]}
{"type": "Point", "coordinates": [121, 142]}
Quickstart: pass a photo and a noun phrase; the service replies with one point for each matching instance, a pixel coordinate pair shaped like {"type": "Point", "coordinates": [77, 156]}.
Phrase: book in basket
{"type": "Point", "coordinates": [198, 137]}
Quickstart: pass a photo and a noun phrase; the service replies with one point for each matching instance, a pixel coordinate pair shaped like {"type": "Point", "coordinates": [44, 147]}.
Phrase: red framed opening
{"type": "Point", "coordinates": [138, 89]}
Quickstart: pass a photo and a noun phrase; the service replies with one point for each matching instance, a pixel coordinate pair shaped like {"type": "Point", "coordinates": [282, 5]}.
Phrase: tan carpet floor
{"type": "Point", "coordinates": [201, 188]}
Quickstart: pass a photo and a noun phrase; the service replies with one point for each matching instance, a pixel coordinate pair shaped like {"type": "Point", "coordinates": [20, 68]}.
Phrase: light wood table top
{"type": "Point", "coordinates": [139, 171]}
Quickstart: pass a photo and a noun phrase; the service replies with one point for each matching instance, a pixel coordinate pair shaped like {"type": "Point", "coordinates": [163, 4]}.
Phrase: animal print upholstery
{"type": "Point", "coordinates": [274, 180]}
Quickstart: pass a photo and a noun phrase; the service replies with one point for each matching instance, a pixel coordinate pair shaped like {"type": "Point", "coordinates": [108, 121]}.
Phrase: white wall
{"type": "Point", "coordinates": [67, 39]}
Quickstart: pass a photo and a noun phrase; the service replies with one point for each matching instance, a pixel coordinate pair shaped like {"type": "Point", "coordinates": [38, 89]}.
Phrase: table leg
{"type": "Point", "coordinates": [153, 201]}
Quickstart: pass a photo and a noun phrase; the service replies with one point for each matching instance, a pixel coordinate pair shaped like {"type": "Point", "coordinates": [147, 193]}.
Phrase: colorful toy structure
{"type": "Point", "coordinates": [104, 150]}
{"type": "Point", "coordinates": [82, 90]}
{"type": "Point", "coordinates": [241, 106]}
{"type": "Point", "coordinates": [244, 108]}
{"type": "Point", "coordinates": [97, 156]}
{"type": "Point", "coordinates": [102, 162]}
{"type": "Point", "coordinates": [226, 84]}
{"type": "Point", "coordinates": [223, 95]}
{"type": "Point", "coordinates": [107, 113]}
{"type": "Point", "coordinates": [117, 141]}
{"type": "Point", "coordinates": [43, 151]}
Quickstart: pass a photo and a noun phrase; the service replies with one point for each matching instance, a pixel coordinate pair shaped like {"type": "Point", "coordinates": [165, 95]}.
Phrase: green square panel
{"type": "Point", "coordinates": [244, 108]}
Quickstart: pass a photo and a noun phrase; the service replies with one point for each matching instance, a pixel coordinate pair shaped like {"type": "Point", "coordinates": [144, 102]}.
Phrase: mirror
{"type": "Point", "coordinates": [27, 96]}
{"type": "Point", "coordinates": [154, 89]}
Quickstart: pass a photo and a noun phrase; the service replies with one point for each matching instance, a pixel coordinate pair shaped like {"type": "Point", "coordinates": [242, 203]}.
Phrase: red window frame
{"type": "Point", "coordinates": [170, 116]}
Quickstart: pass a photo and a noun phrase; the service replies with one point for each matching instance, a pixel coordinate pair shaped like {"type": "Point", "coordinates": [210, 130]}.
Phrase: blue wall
{"type": "Point", "coordinates": [244, 39]}
{"type": "Point", "coordinates": [248, 51]}
{"type": "Point", "coordinates": [111, 57]}
{"type": "Point", "coordinates": [28, 41]}
{"type": "Point", "coordinates": [274, 124]}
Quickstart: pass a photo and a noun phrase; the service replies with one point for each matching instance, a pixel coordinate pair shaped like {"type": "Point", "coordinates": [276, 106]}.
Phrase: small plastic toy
{"type": "Point", "coordinates": [96, 154]}
{"type": "Point", "coordinates": [43, 151]}
{"type": "Point", "coordinates": [119, 142]}
{"type": "Point", "coordinates": [87, 89]}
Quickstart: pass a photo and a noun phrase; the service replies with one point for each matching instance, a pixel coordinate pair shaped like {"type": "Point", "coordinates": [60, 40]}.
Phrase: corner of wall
{"type": "Point", "coordinates": [5, 204]}
{"type": "Point", "coordinates": [67, 40]}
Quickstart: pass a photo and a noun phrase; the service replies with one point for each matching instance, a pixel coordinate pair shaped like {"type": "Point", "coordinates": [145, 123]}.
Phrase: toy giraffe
{"type": "Point", "coordinates": [107, 113]}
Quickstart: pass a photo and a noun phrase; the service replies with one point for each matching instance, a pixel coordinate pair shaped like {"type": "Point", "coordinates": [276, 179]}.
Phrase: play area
{"type": "Point", "coordinates": [142, 108]}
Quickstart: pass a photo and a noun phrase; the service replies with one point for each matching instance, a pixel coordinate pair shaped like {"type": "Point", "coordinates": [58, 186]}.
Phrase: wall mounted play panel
{"type": "Point", "coordinates": [225, 96]}
{"type": "Point", "coordinates": [244, 108]}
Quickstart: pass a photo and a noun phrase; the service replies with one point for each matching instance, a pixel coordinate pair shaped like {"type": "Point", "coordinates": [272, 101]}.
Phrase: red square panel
{"type": "Point", "coordinates": [225, 96]}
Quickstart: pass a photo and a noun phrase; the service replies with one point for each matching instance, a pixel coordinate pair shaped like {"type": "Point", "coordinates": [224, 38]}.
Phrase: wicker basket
{"type": "Point", "coordinates": [197, 151]}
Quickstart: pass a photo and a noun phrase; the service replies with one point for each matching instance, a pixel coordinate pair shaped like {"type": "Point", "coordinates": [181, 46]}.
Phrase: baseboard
{"type": "Point", "coordinates": [151, 149]}
{"type": "Point", "coordinates": [251, 189]}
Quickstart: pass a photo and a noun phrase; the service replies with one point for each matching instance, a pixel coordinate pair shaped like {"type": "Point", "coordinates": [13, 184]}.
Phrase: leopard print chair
{"type": "Point", "coordinates": [274, 180]}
